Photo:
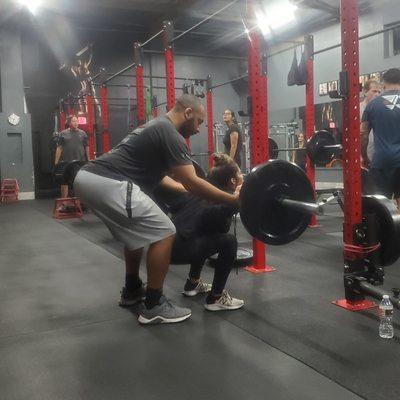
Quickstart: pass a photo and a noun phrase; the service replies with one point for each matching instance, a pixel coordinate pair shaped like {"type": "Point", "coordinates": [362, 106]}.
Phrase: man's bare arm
{"type": "Point", "coordinates": [87, 153]}
{"type": "Point", "coordinates": [364, 131]}
{"type": "Point", "coordinates": [58, 154]}
{"type": "Point", "coordinates": [172, 185]}
{"type": "Point", "coordinates": [199, 187]}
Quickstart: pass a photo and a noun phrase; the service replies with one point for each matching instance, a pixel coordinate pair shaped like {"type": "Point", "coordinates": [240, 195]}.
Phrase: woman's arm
{"type": "Point", "coordinates": [234, 143]}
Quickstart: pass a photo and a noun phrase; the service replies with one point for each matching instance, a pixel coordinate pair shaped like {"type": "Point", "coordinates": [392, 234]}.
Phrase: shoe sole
{"type": "Point", "coordinates": [191, 293]}
{"type": "Point", "coordinates": [213, 307]}
{"type": "Point", "coordinates": [161, 320]}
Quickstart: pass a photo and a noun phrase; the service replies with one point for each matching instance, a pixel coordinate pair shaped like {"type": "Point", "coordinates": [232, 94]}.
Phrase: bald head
{"type": "Point", "coordinates": [187, 115]}
{"type": "Point", "coordinates": [187, 101]}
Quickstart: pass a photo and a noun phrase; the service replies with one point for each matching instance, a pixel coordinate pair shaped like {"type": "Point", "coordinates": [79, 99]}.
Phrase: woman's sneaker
{"type": "Point", "coordinates": [225, 302]}
{"type": "Point", "coordinates": [164, 313]}
{"type": "Point", "coordinates": [132, 297]}
{"type": "Point", "coordinates": [191, 289]}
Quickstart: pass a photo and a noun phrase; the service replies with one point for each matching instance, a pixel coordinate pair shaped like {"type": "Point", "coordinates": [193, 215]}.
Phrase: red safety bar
{"type": "Point", "coordinates": [259, 126]}
{"type": "Point", "coordinates": [210, 127]}
{"type": "Point", "coordinates": [353, 257]}
{"type": "Point", "coordinates": [105, 118]}
{"type": "Point", "coordinates": [310, 115]}
{"type": "Point", "coordinates": [141, 115]}
{"type": "Point", "coordinates": [351, 121]}
{"type": "Point", "coordinates": [63, 120]}
{"type": "Point", "coordinates": [90, 125]}
{"type": "Point", "coordinates": [170, 77]}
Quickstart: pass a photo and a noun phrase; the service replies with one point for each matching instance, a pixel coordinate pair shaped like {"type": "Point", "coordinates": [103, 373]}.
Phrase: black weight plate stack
{"type": "Point", "coordinates": [244, 258]}
{"type": "Point", "coordinates": [319, 155]}
{"type": "Point", "coordinates": [261, 213]}
{"type": "Point", "coordinates": [388, 226]}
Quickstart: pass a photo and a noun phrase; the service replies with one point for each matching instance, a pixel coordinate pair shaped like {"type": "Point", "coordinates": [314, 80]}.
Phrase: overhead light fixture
{"type": "Point", "coordinates": [31, 5]}
{"type": "Point", "coordinates": [276, 16]}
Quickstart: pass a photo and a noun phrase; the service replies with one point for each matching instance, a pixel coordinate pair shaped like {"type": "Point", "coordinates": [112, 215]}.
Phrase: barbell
{"type": "Point", "coordinates": [277, 201]}
{"type": "Point", "coordinates": [321, 148]}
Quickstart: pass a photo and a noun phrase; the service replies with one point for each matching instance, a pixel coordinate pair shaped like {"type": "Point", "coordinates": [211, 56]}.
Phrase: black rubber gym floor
{"type": "Point", "coordinates": [62, 335]}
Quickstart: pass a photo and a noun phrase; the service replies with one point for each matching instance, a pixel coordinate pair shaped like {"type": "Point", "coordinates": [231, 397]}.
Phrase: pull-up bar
{"type": "Point", "coordinates": [335, 46]}
{"type": "Point", "coordinates": [198, 55]}
{"type": "Point", "coordinates": [230, 81]}
{"type": "Point", "coordinates": [368, 35]}
{"type": "Point", "coordinates": [133, 64]}
{"type": "Point", "coordinates": [119, 72]}
{"type": "Point", "coordinates": [152, 38]}
{"type": "Point", "coordinates": [157, 77]}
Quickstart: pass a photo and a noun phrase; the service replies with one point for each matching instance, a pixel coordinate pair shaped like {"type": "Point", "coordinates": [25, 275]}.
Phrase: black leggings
{"type": "Point", "coordinates": [196, 251]}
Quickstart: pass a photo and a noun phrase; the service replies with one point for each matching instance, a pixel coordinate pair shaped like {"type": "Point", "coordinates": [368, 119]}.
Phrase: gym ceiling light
{"type": "Point", "coordinates": [31, 5]}
{"type": "Point", "coordinates": [276, 16]}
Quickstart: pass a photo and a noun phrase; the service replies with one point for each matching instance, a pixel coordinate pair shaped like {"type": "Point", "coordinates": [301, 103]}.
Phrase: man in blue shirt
{"type": "Point", "coordinates": [382, 115]}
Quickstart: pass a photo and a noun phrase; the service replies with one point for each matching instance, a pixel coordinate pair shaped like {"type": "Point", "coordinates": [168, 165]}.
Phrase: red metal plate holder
{"type": "Point", "coordinates": [356, 305]}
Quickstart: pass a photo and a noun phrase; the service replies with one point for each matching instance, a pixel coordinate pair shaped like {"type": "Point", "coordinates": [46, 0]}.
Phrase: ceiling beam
{"type": "Point", "coordinates": [318, 5]}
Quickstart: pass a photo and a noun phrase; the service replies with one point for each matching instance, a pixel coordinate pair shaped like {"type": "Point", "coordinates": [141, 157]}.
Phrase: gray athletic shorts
{"type": "Point", "coordinates": [132, 217]}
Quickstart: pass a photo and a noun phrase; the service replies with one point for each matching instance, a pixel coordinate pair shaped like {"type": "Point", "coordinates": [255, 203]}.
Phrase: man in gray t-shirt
{"type": "Point", "coordinates": [72, 144]}
{"type": "Point", "coordinates": [117, 187]}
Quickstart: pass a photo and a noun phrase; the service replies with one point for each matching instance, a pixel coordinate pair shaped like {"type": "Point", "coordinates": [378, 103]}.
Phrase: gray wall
{"type": "Point", "coordinates": [327, 65]}
{"type": "Point", "coordinates": [185, 67]}
{"type": "Point", "coordinates": [16, 159]}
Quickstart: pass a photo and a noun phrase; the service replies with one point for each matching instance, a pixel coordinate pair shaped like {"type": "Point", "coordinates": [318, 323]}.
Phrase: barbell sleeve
{"type": "Point", "coordinates": [332, 146]}
{"type": "Point", "coordinates": [312, 208]}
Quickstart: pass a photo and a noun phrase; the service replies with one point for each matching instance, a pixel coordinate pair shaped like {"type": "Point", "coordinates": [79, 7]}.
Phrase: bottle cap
{"type": "Point", "coordinates": [385, 296]}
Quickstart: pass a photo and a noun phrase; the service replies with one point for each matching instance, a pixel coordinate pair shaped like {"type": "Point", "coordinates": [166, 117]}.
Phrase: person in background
{"type": "Point", "coordinates": [382, 115]}
{"type": "Point", "coordinates": [299, 157]}
{"type": "Point", "coordinates": [203, 230]}
{"type": "Point", "coordinates": [371, 89]}
{"type": "Point", "coordinates": [233, 138]}
{"type": "Point", "coordinates": [72, 144]}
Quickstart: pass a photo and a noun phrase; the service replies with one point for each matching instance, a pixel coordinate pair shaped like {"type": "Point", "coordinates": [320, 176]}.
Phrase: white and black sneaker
{"type": "Point", "coordinates": [164, 313]}
{"type": "Point", "coordinates": [192, 289]}
{"type": "Point", "coordinates": [224, 303]}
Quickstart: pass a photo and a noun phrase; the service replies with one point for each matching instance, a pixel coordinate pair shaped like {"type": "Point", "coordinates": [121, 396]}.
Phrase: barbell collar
{"type": "Point", "coordinates": [311, 208]}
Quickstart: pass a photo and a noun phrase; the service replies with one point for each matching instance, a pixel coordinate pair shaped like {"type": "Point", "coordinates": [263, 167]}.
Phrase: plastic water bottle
{"type": "Point", "coordinates": [386, 317]}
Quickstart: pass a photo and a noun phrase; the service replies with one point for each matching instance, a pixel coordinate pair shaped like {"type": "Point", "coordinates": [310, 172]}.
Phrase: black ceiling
{"type": "Point", "coordinates": [144, 17]}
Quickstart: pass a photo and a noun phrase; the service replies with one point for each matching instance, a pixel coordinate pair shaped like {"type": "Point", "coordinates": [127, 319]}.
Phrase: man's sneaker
{"type": "Point", "coordinates": [191, 289]}
{"type": "Point", "coordinates": [130, 298]}
{"type": "Point", "coordinates": [225, 302]}
{"type": "Point", "coordinates": [164, 313]}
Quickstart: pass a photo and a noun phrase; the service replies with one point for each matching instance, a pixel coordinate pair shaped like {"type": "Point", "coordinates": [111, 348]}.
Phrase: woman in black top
{"type": "Point", "coordinates": [233, 140]}
{"type": "Point", "coordinates": [299, 157]}
{"type": "Point", "coordinates": [202, 229]}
